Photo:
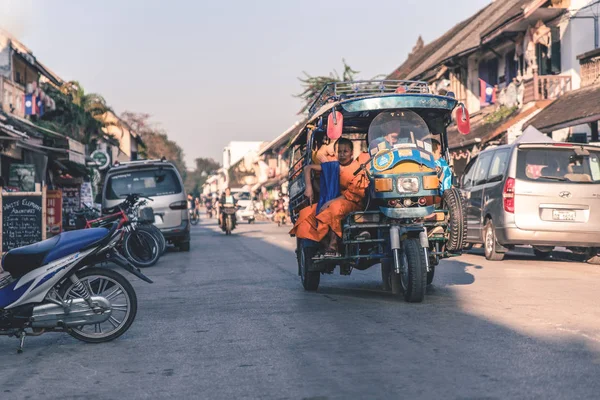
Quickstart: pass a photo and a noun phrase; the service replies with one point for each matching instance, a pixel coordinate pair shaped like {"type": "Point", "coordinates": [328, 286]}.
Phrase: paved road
{"type": "Point", "coordinates": [230, 320]}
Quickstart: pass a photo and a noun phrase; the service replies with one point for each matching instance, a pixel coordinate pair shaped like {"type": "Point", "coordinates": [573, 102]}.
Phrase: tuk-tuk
{"type": "Point", "coordinates": [411, 221]}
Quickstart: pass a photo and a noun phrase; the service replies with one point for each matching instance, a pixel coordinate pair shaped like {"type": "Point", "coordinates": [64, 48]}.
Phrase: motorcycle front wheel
{"type": "Point", "coordinates": [195, 218]}
{"type": "Point", "coordinates": [228, 225]}
{"type": "Point", "coordinates": [141, 248]}
{"type": "Point", "coordinates": [117, 290]}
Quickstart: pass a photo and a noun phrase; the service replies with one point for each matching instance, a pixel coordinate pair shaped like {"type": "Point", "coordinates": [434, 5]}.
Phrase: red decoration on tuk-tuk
{"type": "Point", "coordinates": [463, 120]}
{"type": "Point", "coordinates": [335, 125]}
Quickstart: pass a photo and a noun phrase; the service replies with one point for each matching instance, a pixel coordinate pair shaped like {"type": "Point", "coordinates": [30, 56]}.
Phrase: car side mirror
{"type": "Point", "coordinates": [98, 198]}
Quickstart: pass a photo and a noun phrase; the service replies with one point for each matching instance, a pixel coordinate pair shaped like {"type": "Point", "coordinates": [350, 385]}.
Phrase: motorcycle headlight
{"type": "Point", "coordinates": [408, 185]}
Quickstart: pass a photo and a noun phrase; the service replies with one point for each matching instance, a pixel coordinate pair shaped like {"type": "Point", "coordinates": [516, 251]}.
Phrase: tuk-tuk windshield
{"type": "Point", "coordinates": [398, 129]}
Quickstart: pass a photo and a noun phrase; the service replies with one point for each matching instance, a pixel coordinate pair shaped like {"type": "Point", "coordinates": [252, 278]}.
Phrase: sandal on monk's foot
{"type": "Point", "coordinates": [331, 254]}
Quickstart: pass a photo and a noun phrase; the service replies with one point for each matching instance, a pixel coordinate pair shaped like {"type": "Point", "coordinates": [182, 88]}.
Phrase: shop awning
{"type": "Point", "coordinates": [282, 139]}
{"type": "Point", "coordinates": [581, 106]}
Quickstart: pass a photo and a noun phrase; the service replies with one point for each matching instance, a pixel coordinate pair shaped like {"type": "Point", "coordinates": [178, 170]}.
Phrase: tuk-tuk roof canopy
{"type": "Point", "coordinates": [340, 91]}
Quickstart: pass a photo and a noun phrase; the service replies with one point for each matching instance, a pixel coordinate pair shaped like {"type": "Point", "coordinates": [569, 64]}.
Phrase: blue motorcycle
{"type": "Point", "coordinates": [54, 286]}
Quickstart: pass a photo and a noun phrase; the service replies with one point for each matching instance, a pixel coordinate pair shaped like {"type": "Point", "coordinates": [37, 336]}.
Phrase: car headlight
{"type": "Point", "coordinates": [408, 185]}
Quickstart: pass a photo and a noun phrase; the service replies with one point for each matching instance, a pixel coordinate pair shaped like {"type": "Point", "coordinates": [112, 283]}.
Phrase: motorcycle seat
{"type": "Point", "coordinates": [112, 210]}
{"type": "Point", "coordinates": [22, 260]}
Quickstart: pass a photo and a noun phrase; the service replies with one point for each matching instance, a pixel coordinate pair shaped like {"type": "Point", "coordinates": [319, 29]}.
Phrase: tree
{"type": "Point", "coordinates": [156, 141]}
{"type": "Point", "coordinates": [196, 178]}
{"type": "Point", "coordinates": [77, 114]}
{"type": "Point", "coordinates": [313, 85]}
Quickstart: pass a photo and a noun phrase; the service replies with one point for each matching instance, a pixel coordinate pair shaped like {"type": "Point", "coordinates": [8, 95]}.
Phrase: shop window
{"type": "Point", "coordinates": [488, 71]}
{"type": "Point", "coordinates": [512, 67]}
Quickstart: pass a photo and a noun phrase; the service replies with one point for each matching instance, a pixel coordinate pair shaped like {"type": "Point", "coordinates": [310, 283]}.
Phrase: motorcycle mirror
{"type": "Point", "coordinates": [335, 125]}
{"type": "Point", "coordinates": [463, 120]}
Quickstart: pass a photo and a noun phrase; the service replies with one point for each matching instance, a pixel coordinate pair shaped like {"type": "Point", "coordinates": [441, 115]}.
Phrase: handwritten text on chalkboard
{"type": "Point", "coordinates": [21, 221]}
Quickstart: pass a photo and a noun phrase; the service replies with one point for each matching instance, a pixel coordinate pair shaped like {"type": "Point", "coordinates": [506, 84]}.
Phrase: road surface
{"type": "Point", "coordinates": [230, 320]}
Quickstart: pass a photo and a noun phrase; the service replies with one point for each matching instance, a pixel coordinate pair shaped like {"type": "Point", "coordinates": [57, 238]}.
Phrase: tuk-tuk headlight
{"type": "Point", "coordinates": [408, 185]}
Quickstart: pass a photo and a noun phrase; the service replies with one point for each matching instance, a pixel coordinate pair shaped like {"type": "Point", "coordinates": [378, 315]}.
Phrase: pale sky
{"type": "Point", "coordinates": [214, 72]}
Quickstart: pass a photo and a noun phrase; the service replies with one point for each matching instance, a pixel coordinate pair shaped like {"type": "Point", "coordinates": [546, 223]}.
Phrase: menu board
{"type": "Point", "coordinates": [54, 212]}
{"type": "Point", "coordinates": [23, 219]}
{"type": "Point", "coordinates": [71, 204]}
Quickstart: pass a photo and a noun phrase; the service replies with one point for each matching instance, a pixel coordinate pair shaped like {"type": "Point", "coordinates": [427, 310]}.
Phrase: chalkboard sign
{"type": "Point", "coordinates": [23, 219]}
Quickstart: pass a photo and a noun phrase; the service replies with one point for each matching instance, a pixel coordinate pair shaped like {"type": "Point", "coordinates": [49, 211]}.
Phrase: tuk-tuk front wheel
{"type": "Point", "coordinates": [413, 279]}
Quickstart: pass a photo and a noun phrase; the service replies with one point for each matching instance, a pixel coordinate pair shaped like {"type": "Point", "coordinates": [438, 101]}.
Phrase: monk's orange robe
{"type": "Point", "coordinates": [352, 188]}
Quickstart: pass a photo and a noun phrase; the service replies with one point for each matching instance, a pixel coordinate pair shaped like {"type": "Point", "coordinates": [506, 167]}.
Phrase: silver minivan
{"type": "Point", "coordinates": [160, 181]}
{"type": "Point", "coordinates": [545, 195]}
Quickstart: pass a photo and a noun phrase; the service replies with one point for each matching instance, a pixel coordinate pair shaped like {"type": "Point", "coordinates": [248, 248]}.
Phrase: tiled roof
{"type": "Point", "coordinates": [483, 132]}
{"type": "Point", "coordinates": [469, 37]}
{"type": "Point", "coordinates": [570, 108]}
{"type": "Point", "coordinates": [419, 56]}
{"type": "Point", "coordinates": [514, 11]}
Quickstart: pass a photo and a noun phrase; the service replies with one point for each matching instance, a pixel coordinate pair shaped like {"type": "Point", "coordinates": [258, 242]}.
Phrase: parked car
{"type": "Point", "coordinates": [246, 211]}
{"type": "Point", "coordinates": [545, 195]}
{"type": "Point", "coordinates": [160, 181]}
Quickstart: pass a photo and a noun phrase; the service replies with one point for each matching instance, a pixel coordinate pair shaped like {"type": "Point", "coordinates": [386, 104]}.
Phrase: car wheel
{"type": "Point", "coordinates": [491, 244]}
{"type": "Point", "coordinates": [593, 257]}
{"type": "Point", "coordinates": [184, 246]}
{"type": "Point", "coordinates": [542, 254]}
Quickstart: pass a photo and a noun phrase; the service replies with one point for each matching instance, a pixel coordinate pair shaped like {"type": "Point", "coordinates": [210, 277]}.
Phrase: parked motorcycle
{"type": "Point", "coordinates": [53, 286]}
{"type": "Point", "coordinates": [229, 220]}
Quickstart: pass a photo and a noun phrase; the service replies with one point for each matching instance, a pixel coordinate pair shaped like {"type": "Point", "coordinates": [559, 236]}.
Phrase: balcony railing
{"type": "Point", "coordinates": [546, 87]}
{"type": "Point", "coordinates": [12, 97]}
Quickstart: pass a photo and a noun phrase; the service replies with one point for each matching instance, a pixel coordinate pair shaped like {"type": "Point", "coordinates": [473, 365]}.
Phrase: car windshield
{"type": "Point", "coordinates": [149, 182]}
{"type": "Point", "coordinates": [242, 196]}
{"type": "Point", "coordinates": [559, 165]}
{"type": "Point", "coordinates": [397, 129]}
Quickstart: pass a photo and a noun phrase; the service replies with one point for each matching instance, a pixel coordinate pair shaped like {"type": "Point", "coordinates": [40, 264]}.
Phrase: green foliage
{"type": "Point", "coordinates": [499, 115]}
{"type": "Point", "coordinates": [196, 178]}
{"type": "Point", "coordinates": [77, 114]}
{"type": "Point", "coordinates": [313, 85]}
{"type": "Point", "coordinates": [156, 142]}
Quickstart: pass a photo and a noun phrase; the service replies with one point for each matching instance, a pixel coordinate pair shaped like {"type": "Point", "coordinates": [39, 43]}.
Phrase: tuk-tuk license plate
{"type": "Point", "coordinates": [561, 215]}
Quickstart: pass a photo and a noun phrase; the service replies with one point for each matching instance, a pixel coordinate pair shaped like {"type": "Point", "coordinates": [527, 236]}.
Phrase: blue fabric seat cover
{"type": "Point", "coordinates": [73, 241]}
{"type": "Point", "coordinates": [27, 258]}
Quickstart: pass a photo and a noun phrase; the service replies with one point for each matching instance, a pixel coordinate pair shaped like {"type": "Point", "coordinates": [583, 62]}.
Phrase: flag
{"type": "Point", "coordinates": [30, 104]}
{"type": "Point", "coordinates": [40, 107]}
{"type": "Point", "coordinates": [487, 93]}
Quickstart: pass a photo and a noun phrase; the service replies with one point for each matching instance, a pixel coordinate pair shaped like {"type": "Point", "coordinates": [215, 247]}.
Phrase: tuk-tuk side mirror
{"type": "Point", "coordinates": [335, 125]}
{"type": "Point", "coordinates": [463, 120]}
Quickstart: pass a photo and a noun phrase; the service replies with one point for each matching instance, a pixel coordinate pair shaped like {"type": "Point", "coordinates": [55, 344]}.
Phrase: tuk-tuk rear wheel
{"type": "Point", "coordinates": [310, 279]}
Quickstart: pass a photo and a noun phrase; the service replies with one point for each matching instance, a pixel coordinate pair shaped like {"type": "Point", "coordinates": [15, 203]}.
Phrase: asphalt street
{"type": "Point", "coordinates": [230, 320]}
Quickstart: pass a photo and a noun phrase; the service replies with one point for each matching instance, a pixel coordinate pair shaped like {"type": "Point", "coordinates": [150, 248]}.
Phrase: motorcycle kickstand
{"type": "Point", "coordinates": [21, 336]}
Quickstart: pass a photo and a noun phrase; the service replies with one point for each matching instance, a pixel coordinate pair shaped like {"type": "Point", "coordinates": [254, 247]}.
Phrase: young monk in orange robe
{"type": "Point", "coordinates": [327, 225]}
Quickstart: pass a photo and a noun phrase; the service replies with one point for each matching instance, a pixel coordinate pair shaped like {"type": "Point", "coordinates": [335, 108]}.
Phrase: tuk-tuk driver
{"type": "Point", "coordinates": [443, 169]}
